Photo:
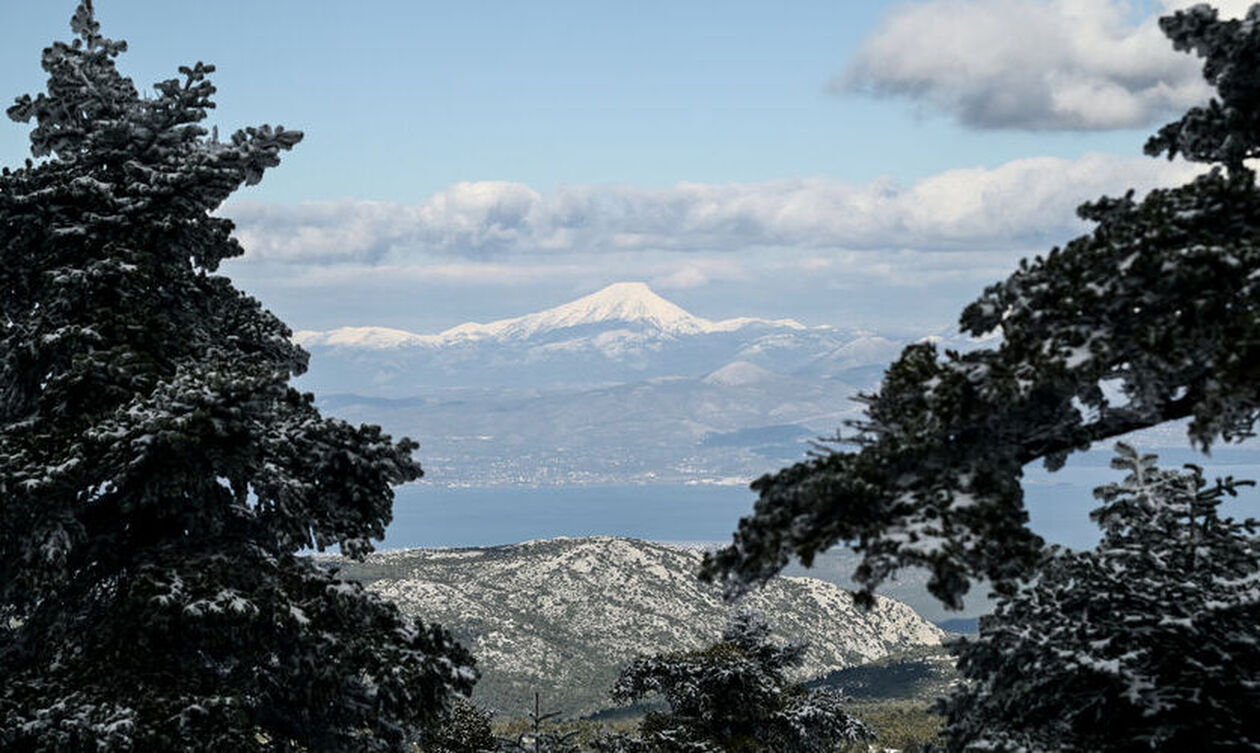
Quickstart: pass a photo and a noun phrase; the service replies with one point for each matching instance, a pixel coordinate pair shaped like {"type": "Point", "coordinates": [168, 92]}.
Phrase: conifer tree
{"type": "Point", "coordinates": [1148, 642]}
{"type": "Point", "coordinates": [158, 475]}
{"type": "Point", "coordinates": [1152, 317]}
{"type": "Point", "coordinates": [465, 729]}
{"type": "Point", "coordinates": [733, 697]}
{"type": "Point", "coordinates": [542, 736]}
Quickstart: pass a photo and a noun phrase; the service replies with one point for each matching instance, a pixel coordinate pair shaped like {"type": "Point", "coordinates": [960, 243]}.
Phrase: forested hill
{"type": "Point", "coordinates": [562, 616]}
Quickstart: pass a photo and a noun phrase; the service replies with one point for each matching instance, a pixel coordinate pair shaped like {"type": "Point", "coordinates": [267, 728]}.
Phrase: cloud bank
{"type": "Point", "coordinates": [1021, 204]}
{"type": "Point", "coordinates": [1033, 64]}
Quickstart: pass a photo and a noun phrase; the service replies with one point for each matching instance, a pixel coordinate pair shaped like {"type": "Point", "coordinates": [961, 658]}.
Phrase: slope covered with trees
{"type": "Point", "coordinates": [158, 476]}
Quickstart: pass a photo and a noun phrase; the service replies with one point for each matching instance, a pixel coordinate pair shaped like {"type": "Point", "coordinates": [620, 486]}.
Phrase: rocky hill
{"type": "Point", "coordinates": [562, 616]}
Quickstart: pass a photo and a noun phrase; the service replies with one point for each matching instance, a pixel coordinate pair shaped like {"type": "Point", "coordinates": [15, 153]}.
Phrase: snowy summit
{"type": "Point", "coordinates": [620, 304]}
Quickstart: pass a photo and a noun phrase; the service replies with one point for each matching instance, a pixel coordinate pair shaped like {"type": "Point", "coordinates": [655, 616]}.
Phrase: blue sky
{"type": "Point", "coordinates": [858, 164]}
{"type": "Point", "coordinates": [401, 99]}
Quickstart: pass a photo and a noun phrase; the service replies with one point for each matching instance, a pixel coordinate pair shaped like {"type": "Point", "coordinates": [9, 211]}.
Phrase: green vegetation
{"type": "Point", "coordinates": [907, 726]}
{"type": "Point", "coordinates": [921, 675]}
{"type": "Point", "coordinates": [899, 724]}
{"type": "Point", "coordinates": [464, 729]}
{"type": "Point", "coordinates": [580, 733]}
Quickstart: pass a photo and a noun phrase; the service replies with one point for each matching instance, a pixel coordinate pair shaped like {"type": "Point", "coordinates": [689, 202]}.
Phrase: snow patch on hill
{"type": "Point", "coordinates": [740, 374]}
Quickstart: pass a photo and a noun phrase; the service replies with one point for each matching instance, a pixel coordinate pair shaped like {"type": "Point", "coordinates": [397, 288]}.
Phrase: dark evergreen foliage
{"type": "Point", "coordinates": [1148, 642]}
{"type": "Point", "coordinates": [465, 729]}
{"type": "Point", "coordinates": [733, 697]}
{"type": "Point", "coordinates": [157, 474]}
{"type": "Point", "coordinates": [1150, 318]}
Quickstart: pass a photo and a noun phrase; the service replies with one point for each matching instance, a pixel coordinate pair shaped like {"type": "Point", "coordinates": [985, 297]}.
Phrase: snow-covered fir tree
{"type": "Point", "coordinates": [733, 697]}
{"type": "Point", "coordinates": [1154, 316]}
{"type": "Point", "coordinates": [1149, 642]}
{"type": "Point", "coordinates": [465, 728]}
{"type": "Point", "coordinates": [158, 475]}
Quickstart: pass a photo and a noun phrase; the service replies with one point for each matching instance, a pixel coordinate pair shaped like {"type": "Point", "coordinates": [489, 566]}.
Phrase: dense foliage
{"type": "Point", "coordinates": [464, 729]}
{"type": "Point", "coordinates": [733, 697]}
{"type": "Point", "coordinates": [1152, 317]}
{"type": "Point", "coordinates": [1148, 642]}
{"type": "Point", "coordinates": [158, 476]}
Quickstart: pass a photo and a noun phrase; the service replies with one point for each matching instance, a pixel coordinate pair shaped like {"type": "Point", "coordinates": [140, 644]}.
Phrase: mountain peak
{"type": "Point", "coordinates": [629, 302]}
{"type": "Point", "coordinates": [626, 291]}
{"type": "Point", "coordinates": [633, 302]}
{"type": "Point", "coordinates": [619, 306]}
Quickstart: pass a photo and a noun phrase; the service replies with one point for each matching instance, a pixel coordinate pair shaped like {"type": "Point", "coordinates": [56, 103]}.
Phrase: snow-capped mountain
{"type": "Point", "coordinates": [619, 386]}
{"type": "Point", "coordinates": [625, 332]}
{"type": "Point", "coordinates": [562, 616]}
{"type": "Point", "coordinates": [621, 307]}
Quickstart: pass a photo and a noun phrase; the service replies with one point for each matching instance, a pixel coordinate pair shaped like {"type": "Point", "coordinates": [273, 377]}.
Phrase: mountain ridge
{"type": "Point", "coordinates": [632, 303]}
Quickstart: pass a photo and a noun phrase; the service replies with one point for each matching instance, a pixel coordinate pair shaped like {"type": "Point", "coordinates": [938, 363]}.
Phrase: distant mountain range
{"type": "Point", "coordinates": [562, 616]}
{"type": "Point", "coordinates": [622, 333]}
{"type": "Point", "coordinates": [631, 303]}
{"type": "Point", "coordinates": [620, 386]}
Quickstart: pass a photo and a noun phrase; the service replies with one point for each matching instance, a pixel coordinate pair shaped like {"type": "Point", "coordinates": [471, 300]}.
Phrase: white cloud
{"type": "Point", "coordinates": [694, 273]}
{"type": "Point", "coordinates": [1033, 64]}
{"type": "Point", "coordinates": [1024, 203]}
{"type": "Point", "coordinates": [466, 274]}
{"type": "Point", "coordinates": [907, 268]}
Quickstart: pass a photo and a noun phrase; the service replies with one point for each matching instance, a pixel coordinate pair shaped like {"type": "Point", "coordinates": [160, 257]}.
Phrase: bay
{"type": "Point", "coordinates": [431, 516]}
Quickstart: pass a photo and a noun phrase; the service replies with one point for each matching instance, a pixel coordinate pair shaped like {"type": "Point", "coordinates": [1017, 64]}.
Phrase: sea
{"type": "Point", "coordinates": [427, 515]}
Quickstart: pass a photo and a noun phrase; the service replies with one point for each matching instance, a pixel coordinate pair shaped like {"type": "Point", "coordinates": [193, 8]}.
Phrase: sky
{"type": "Point", "coordinates": [869, 165]}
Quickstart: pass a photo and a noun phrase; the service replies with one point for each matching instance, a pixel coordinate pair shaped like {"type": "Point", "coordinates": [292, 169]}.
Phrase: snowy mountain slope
{"type": "Point", "coordinates": [625, 332]}
{"type": "Point", "coordinates": [618, 305]}
{"type": "Point", "coordinates": [561, 616]}
{"type": "Point", "coordinates": [740, 374]}
{"type": "Point", "coordinates": [864, 350]}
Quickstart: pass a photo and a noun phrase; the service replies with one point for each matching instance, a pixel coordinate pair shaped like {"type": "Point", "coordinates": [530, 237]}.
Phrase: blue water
{"type": "Point", "coordinates": [434, 516]}
{"type": "Point", "coordinates": [430, 516]}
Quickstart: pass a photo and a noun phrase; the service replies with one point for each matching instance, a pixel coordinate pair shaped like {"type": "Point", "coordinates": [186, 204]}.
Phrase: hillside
{"type": "Point", "coordinates": [561, 616]}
